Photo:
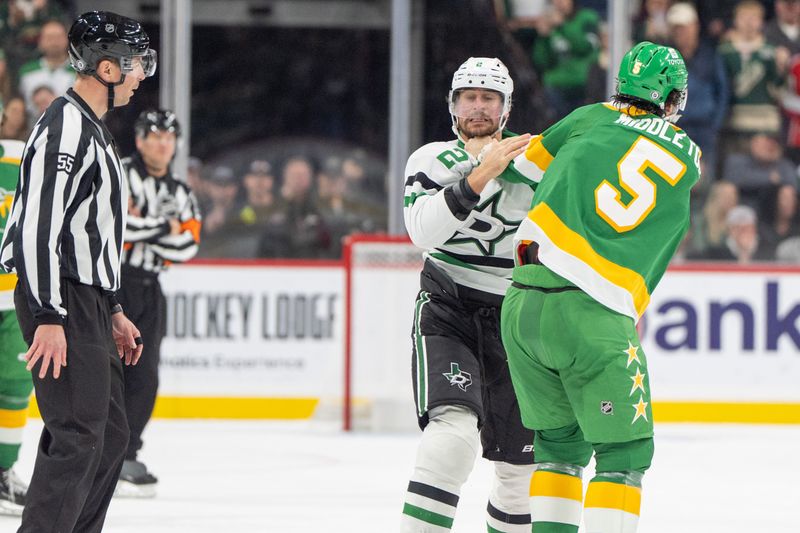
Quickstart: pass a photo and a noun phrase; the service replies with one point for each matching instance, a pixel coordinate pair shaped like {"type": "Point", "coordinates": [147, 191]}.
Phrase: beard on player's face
{"type": "Point", "coordinates": [479, 126]}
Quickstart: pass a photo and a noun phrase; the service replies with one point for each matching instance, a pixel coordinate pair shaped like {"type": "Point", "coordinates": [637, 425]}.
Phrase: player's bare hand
{"type": "Point", "coordinates": [474, 145]}
{"type": "Point", "coordinates": [497, 155]}
{"type": "Point", "coordinates": [127, 338]}
{"type": "Point", "coordinates": [50, 345]}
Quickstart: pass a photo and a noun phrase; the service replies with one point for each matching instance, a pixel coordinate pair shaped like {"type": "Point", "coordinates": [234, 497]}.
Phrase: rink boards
{"type": "Point", "coordinates": [266, 340]}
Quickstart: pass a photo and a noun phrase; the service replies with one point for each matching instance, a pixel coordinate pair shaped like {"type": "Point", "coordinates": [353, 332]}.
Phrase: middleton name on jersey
{"type": "Point", "coordinates": [665, 130]}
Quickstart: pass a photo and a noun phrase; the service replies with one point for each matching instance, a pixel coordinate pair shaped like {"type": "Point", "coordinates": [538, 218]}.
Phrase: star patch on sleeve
{"type": "Point", "coordinates": [638, 382]}
{"type": "Point", "coordinates": [641, 410]}
{"type": "Point", "coordinates": [633, 354]}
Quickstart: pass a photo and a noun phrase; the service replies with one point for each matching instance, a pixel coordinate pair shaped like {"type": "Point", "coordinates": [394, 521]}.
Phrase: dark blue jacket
{"type": "Point", "coordinates": [709, 96]}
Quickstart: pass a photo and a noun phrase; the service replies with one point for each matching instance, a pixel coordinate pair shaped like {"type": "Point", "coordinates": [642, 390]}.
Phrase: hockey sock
{"type": "Point", "coordinates": [614, 495]}
{"type": "Point", "coordinates": [508, 510]}
{"type": "Point", "coordinates": [612, 502]}
{"type": "Point", "coordinates": [14, 398]}
{"type": "Point", "coordinates": [556, 488]}
{"type": "Point", "coordinates": [445, 457]}
{"type": "Point", "coordinates": [556, 493]}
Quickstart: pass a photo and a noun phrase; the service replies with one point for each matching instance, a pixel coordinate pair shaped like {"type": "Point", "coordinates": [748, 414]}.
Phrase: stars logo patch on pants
{"type": "Point", "coordinates": [457, 377]}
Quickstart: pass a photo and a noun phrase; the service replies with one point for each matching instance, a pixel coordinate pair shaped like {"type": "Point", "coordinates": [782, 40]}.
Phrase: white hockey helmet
{"type": "Point", "coordinates": [482, 73]}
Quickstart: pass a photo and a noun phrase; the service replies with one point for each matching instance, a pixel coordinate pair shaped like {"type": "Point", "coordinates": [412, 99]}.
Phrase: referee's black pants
{"type": "Point", "coordinates": [143, 301]}
{"type": "Point", "coordinates": [85, 431]}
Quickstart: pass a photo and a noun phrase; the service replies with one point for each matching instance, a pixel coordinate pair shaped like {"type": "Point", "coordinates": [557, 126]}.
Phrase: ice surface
{"type": "Point", "coordinates": [293, 477]}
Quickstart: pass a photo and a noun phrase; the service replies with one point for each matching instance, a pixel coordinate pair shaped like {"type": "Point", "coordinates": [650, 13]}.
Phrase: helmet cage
{"type": "Point", "coordinates": [149, 61]}
{"type": "Point", "coordinates": [481, 73]}
{"type": "Point", "coordinates": [87, 62]}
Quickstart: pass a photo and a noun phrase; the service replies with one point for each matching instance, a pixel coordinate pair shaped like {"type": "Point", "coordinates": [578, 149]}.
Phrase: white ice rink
{"type": "Point", "coordinates": [231, 477]}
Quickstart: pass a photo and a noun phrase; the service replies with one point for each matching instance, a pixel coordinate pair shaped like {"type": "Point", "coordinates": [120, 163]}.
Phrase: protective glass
{"type": "Point", "coordinates": [149, 61]}
{"type": "Point", "coordinates": [474, 104]}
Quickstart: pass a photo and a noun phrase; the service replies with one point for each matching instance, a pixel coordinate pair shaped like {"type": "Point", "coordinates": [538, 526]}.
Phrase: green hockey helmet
{"type": "Point", "coordinates": [650, 72]}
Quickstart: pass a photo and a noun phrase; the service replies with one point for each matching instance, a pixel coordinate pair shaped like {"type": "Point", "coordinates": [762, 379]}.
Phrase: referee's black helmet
{"type": "Point", "coordinates": [157, 120]}
{"type": "Point", "coordinates": [99, 35]}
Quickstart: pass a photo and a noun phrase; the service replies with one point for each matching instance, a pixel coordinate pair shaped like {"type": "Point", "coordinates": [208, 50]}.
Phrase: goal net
{"type": "Point", "coordinates": [381, 284]}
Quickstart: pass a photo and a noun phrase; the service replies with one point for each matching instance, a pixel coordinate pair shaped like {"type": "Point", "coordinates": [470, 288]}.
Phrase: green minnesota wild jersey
{"type": "Point", "coordinates": [612, 204]}
{"type": "Point", "coordinates": [10, 157]}
{"type": "Point", "coordinates": [473, 244]}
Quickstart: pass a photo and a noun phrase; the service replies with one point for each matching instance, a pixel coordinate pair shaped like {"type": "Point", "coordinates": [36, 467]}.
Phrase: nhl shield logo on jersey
{"type": "Point", "coordinates": [456, 376]}
{"type": "Point", "coordinates": [607, 407]}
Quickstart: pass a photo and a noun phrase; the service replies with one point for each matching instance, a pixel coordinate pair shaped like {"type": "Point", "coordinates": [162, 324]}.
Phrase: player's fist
{"type": "Point", "coordinates": [474, 145]}
{"type": "Point", "coordinates": [496, 156]}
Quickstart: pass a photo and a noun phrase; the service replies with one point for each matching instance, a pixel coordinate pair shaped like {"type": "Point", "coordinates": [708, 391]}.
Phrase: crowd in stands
{"type": "Point", "coordinates": [34, 65]}
{"type": "Point", "coordinates": [743, 110]}
{"type": "Point", "coordinates": [300, 208]}
{"type": "Point", "coordinates": [295, 207]}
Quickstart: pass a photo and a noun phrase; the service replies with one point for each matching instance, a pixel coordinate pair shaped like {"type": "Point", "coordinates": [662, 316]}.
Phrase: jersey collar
{"type": "Point", "coordinates": [503, 135]}
{"type": "Point", "coordinates": [73, 98]}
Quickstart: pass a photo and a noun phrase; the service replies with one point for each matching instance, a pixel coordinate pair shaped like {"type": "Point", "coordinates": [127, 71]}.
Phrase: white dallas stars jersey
{"type": "Point", "coordinates": [470, 238]}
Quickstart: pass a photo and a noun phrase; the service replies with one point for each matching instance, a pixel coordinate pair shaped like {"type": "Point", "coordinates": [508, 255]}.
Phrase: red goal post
{"type": "Point", "coordinates": [381, 284]}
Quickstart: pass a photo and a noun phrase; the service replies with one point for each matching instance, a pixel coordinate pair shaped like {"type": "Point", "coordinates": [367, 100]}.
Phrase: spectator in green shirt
{"type": "Point", "coordinates": [755, 72]}
{"type": "Point", "coordinates": [565, 48]}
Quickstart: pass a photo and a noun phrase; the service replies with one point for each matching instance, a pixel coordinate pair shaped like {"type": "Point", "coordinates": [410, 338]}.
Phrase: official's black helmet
{"type": "Point", "coordinates": [99, 35]}
{"type": "Point", "coordinates": [157, 120]}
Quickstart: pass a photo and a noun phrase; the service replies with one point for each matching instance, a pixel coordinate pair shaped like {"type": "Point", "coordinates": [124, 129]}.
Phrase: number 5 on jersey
{"type": "Point", "coordinates": [644, 154]}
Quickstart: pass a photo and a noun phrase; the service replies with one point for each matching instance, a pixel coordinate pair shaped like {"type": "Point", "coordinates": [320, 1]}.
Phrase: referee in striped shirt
{"type": "Point", "coordinates": [64, 239]}
{"type": "Point", "coordinates": [163, 228]}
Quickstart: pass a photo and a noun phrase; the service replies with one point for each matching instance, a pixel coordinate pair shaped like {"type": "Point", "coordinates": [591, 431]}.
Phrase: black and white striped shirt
{"type": "Point", "coordinates": [153, 201]}
{"type": "Point", "coordinates": [68, 215]}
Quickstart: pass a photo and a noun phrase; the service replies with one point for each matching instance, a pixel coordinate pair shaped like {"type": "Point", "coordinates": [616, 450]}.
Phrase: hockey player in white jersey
{"type": "Point", "coordinates": [463, 202]}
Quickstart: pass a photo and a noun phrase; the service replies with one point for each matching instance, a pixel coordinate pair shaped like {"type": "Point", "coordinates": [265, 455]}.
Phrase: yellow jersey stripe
{"type": "Point", "coordinates": [13, 160]}
{"type": "Point", "coordinates": [632, 111]}
{"type": "Point", "coordinates": [8, 282]}
{"type": "Point", "coordinates": [13, 419]}
{"type": "Point", "coordinates": [607, 495]}
{"type": "Point", "coordinates": [555, 485]}
{"type": "Point", "coordinates": [538, 154]}
{"type": "Point", "coordinates": [573, 244]}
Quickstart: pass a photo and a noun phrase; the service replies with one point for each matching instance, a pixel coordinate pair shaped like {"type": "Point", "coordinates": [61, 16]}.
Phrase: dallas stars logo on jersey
{"type": "Point", "coordinates": [456, 376]}
{"type": "Point", "coordinates": [488, 227]}
{"type": "Point", "coordinates": [475, 251]}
